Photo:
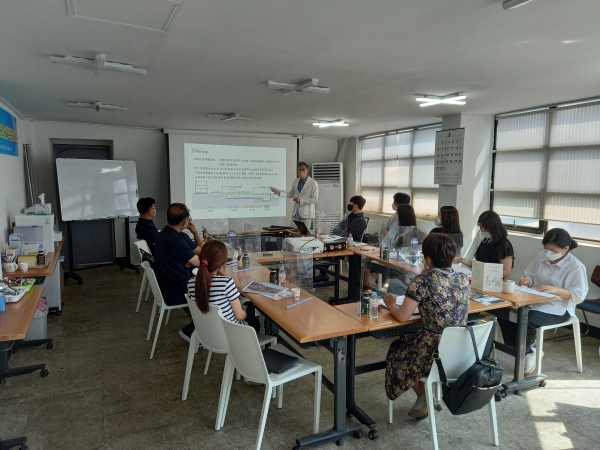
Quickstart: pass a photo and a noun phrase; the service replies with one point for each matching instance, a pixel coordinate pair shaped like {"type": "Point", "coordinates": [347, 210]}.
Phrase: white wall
{"type": "Point", "coordinates": [12, 178]}
{"type": "Point", "coordinates": [147, 147]}
{"type": "Point", "coordinates": [318, 150]}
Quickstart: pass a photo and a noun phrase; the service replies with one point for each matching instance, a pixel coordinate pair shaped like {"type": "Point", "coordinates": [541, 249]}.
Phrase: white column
{"type": "Point", "coordinates": [472, 197]}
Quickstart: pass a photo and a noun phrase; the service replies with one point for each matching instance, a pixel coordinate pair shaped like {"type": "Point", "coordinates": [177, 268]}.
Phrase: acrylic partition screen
{"type": "Point", "coordinates": [96, 189]}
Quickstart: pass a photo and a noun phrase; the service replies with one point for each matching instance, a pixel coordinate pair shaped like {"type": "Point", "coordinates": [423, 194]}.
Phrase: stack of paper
{"type": "Point", "coordinates": [399, 302]}
{"type": "Point", "coordinates": [534, 292]}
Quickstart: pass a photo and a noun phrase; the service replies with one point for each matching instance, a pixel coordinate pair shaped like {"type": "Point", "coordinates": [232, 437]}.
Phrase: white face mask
{"type": "Point", "coordinates": [437, 221]}
{"type": "Point", "coordinates": [486, 234]}
{"type": "Point", "coordinates": [394, 207]}
{"type": "Point", "coordinates": [551, 256]}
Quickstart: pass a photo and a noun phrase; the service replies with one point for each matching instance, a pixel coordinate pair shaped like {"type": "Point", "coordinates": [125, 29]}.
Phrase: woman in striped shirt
{"type": "Point", "coordinates": [211, 286]}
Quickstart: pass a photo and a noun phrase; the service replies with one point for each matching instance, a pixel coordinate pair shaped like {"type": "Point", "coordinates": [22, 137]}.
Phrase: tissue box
{"type": "Point", "coordinates": [45, 208]}
{"type": "Point", "coordinates": [28, 259]}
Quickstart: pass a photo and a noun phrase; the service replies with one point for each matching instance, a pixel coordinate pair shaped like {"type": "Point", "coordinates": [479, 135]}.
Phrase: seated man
{"type": "Point", "coordinates": [145, 228]}
{"type": "Point", "coordinates": [355, 223]}
{"type": "Point", "coordinates": [173, 257]}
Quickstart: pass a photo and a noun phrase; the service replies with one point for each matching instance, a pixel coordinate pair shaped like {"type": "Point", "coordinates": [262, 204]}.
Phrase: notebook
{"type": "Point", "coordinates": [277, 362]}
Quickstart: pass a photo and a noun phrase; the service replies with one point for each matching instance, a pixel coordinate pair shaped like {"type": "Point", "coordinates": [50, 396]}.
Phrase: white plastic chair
{"type": "Point", "coordinates": [324, 227]}
{"type": "Point", "coordinates": [456, 351]}
{"type": "Point", "coordinates": [374, 226]}
{"type": "Point", "coordinates": [142, 245]}
{"type": "Point", "coordinates": [246, 356]}
{"type": "Point", "coordinates": [539, 343]}
{"type": "Point", "coordinates": [159, 303]}
{"type": "Point", "coordinates": [209, 332]}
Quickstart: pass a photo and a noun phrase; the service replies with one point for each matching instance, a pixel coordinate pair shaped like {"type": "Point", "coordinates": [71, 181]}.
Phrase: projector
{"type": "Point", "coordinates": [303, 245]}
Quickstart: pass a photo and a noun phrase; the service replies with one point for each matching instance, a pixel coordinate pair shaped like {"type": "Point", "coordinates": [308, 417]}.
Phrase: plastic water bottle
{"type": "Point", "coordinates": [374, 306]}
{"type": "Point", "coordinates": [413, 250]}
{"type": "Point", "coordinates": [350, 241]}
{"type": "Point", "coordinates": [282, 276]}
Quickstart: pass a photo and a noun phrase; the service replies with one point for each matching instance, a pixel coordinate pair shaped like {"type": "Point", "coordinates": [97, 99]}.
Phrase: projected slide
{"type": "Point", "coordinates": [224, 181]}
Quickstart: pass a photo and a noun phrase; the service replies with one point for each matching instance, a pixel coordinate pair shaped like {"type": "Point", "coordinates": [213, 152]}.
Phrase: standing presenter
{"type": "Point", "coordinates": [305, 193]}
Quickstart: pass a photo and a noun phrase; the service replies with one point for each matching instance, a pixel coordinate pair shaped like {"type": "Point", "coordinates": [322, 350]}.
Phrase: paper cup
{"type": "Point", "coordinates": [9, 267]}
{"type": "Point", "coordinates": [296, 293]}
{"type": "Point", "coordinates": [508, 287]}
{"type": "Point", "coordinates": [24, 266]}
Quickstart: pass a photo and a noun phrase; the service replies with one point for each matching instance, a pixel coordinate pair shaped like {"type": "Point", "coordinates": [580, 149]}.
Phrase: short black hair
{"type": "Point", "coordinates": [358, 200]}
{"type": "Point", "coordinates": [400, 198]}
{"type": "Point", "coordinates": [559, 237]}
{"type": "Point", "coordinates": [144, 204]}
{"type": "Point", "coordinates": [491, 221]}
{"type": "Point", "coordinates": [441, 248]}
{"type": "Point", "coordinates": [177, 213]}
{"type": "Point", "coordinates": [406, 216]}
{"type": "Point", "coordinates": [302, 163]}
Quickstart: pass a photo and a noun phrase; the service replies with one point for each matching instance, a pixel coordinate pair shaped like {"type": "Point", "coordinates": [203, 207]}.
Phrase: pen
{"type": "Point", "coordinates": [298, 303]}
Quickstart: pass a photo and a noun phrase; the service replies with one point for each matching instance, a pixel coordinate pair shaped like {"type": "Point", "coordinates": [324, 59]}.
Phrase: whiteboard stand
{"type": "Point", "coordinates": [71, 273]}
{"type": "Point", "coordinates": [127, 264]}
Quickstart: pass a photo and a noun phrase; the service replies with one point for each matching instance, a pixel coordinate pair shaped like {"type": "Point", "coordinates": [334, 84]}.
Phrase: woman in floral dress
{"type": "Point", "coordinates": [442, 297]}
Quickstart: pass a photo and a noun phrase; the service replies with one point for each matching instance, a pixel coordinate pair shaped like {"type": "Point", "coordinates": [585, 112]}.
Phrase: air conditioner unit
{"type": "Point", "coordinates": [330, 206]}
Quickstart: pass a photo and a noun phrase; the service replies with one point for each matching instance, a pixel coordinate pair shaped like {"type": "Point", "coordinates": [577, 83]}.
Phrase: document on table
{"type": "Point", "coordinates": [534, 291]}
{"type": "Point", "coordinates": [459, 268]}
{"type": "Point", "coordinates": [399, 302]}
{"type": "Point", "coordinates": [484, 299]}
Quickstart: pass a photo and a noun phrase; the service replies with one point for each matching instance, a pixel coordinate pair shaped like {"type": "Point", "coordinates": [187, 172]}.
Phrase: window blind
{"type": "Point", "coordinates": [547, 165]}
{"type": "Point", "coordinates": [399, 161]}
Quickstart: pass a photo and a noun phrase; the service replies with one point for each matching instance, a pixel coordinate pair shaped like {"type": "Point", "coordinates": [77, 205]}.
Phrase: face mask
{"type": "Point", "coordinates": [394, 207]}
{"type": "Point", "coordinates": [437, 221]}
{"type": "Point", "coordinates": [350, 207]}
{"type": "Point", "coordinates": [486, 234]}
{"type": "Point", "coordinates": [551, 256]}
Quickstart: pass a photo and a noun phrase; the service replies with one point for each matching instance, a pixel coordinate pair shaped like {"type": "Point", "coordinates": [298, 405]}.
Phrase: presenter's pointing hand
{"type": "Point", "coordinates": [275, 191]}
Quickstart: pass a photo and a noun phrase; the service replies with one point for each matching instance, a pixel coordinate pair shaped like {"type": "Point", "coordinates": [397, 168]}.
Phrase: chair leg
{"type": "Point", "coordinates": [207, 362]}
{"type": "Point", "coordinates": [154, 306]}
{"type": "Point", "coordinates": [188, 368]}
{"type": "Point", "coordinates": [263, 417]}
{"type": "Point", "coordinates": [379, 282]}
{"type": "Point", "coordinates": [587, 324]}
{"type": "Point", "coordinates": [577, 337]}
{"type": "Point", "coordinates": [168, 315]}
{"type": "Point", "coordinates": [223, 398]}
{"type": "Point", "coordinates": [142, 289]}
{"type": "Point", "coordinates": [147, 293]}
{"type": "Point", "coordinates": [494, 421]}
{"type": "Point", "coordinates": [390, 411]}
{"type": "Point", "coordinates": [274, 395]}
{"type": "Point", "coordinates": [539, 346]}
{"type": "Point", "coordinates": [280, 394]}
{"type": "Point", "coordinates": [431, 411]}
{"type": "Point", "coordinates": [317, 412]}
{"type": "Point", "coordinates": [238, 375]}
{"type": "Point", "coordinates": [160, 318]}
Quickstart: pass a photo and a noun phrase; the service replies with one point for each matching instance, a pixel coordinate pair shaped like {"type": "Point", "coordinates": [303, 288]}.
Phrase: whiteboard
{"type": "Point", "coordinates": [96, 189]}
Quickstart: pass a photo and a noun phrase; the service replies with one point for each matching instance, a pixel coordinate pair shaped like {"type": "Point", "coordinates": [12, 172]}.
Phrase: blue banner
{"type": "Point", "coordinates": [8, 134]}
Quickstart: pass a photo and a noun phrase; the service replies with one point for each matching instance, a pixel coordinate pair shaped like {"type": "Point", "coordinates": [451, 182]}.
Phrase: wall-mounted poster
{"type": "Point", "coordinates": [449, 146]}
{"type": "Point", "coordinates": [8, 134]}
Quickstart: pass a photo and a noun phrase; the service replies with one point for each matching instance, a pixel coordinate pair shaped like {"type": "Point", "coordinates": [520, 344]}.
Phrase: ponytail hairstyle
{"type": "Point", "coordinates": [559, 237]}
{"type": "Point", "coordinates": [213, 256]}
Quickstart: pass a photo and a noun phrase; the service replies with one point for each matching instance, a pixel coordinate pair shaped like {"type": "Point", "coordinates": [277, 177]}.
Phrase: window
{"type": "Point", "coordinates": [399, 161]}
{"type": "Point", "coordinates": [546, 168]}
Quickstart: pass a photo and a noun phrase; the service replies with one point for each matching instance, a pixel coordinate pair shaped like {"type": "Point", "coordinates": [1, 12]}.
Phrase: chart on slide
{"type": "Point", "coordinates": [225, 181]}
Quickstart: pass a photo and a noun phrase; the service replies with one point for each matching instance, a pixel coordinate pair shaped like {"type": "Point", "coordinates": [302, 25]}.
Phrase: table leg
{"type": "Point", "coordinates": [340, 429]}
{"type": "Point", "coordinates": [336, 277]}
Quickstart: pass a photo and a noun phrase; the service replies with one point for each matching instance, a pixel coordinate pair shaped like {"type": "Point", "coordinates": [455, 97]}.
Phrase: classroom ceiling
{"type": "Point", "coordinates": [373, 55]}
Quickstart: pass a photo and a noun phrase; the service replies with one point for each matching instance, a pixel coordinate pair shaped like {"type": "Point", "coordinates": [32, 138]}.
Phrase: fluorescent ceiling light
{"type": "Point", "coordinates": [308, 85]}
{"type": "Point", "coordinates": [99, 63]}
{"type": "Point", "coordinates": [512, 4]}
{"type": "Point", "coordinates": [452, 99]}
{"type": "Point", "coordinates": [330, 123]}
{"type": "Point", "coordinates": [229, 117]}
{"type": "Point", "coordinates": [97, 106]}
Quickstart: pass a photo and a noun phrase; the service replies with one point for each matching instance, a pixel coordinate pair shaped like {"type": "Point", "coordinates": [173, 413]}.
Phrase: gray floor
{"type": "Point", "coordinates": [104, 393]}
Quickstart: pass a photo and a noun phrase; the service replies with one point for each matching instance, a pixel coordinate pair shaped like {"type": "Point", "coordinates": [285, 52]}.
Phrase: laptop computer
{"type": "Point", "coordinates": [302, 228]}
{"type": "Point", "coordinates": [278, 362]}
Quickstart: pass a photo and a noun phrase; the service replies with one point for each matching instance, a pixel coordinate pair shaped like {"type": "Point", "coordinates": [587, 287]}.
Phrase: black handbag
{"type": "Point", "coordinates": [475, 387]}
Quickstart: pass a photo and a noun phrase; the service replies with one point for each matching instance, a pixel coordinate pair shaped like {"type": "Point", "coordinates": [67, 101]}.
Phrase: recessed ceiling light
{"type": "Point", "coordinates": [229, 117]}
{"type": "Point", "coordinates": [452, 99]}
{"type": "Point", "coordinates": [330, 123]}
{"type": "Point", "coordinates": [512, 4]}
{"type": "Point", "coordinates": [308, 85]}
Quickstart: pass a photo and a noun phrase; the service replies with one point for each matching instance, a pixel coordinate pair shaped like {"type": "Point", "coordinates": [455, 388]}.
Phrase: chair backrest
{"type": "Point", "coordinates": [374, 226]}
{"type": "Point", "coordinates": [324, 227]}
{"type": "Point", "coordinates": [596, 276]}
{"type": "Point", "coordinates": [456, 348]}
{"type": "Point", "coordinates": [245, 350]}
{"type": "Point", "coordinates": [158, 298]}
{"type": "Point", "coordinates": [209, 327]}
{"type": "Point", "coordinates": [143, 245]}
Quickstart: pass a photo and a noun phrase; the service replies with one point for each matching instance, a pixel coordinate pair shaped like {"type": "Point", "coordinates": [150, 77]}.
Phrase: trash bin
{"type": "Point", "coordinates": [38, 329]}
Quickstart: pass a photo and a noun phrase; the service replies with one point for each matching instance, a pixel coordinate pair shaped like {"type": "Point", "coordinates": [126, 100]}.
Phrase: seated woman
{"type": "Point", "coordinates": [495, 246]}
{"type": "Point", "coordinates": [443, 300]}
{"type": "Point", "coordinates": [555, 271]}
{"type": "Point", "coordinates": [448, 222]}
{"type": "Point", "coordinates": [211, 286]}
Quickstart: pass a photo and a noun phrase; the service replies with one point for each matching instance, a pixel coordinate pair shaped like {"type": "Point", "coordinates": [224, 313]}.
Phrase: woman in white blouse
{"type": "Point", "coordinates": [554, 271]}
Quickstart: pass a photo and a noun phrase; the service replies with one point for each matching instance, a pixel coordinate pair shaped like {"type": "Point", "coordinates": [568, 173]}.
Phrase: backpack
{"type": "Point", "coordinates": [476, 386]}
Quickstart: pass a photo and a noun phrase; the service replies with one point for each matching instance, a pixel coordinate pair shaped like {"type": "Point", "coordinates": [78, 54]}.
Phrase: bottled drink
{"type": "Point", "coordinates": [413, 250]}
{"type": "Point", "coordinates": [246, 261]}
{"type": "Point", "coordinates": [282, 276]}
{"type": "Point", "coordinates": [41, 258]}
{"type": "Point", "coordinates": [385, 253]}
{"type": "Point", "coordinates": [273, 276]}
{"type": "Point", "coordinates": [364, 302]}
{"type": "Point", "coordinates": [350, 241]}
{"type": "Point", "coordinates": [373, 306]}
{"type": "Point", "coordinates": [317, 234]}
{"type": "Point", "coordinates": [239, 258]}
{"type": "Point", "coordinates": [204, 233]}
